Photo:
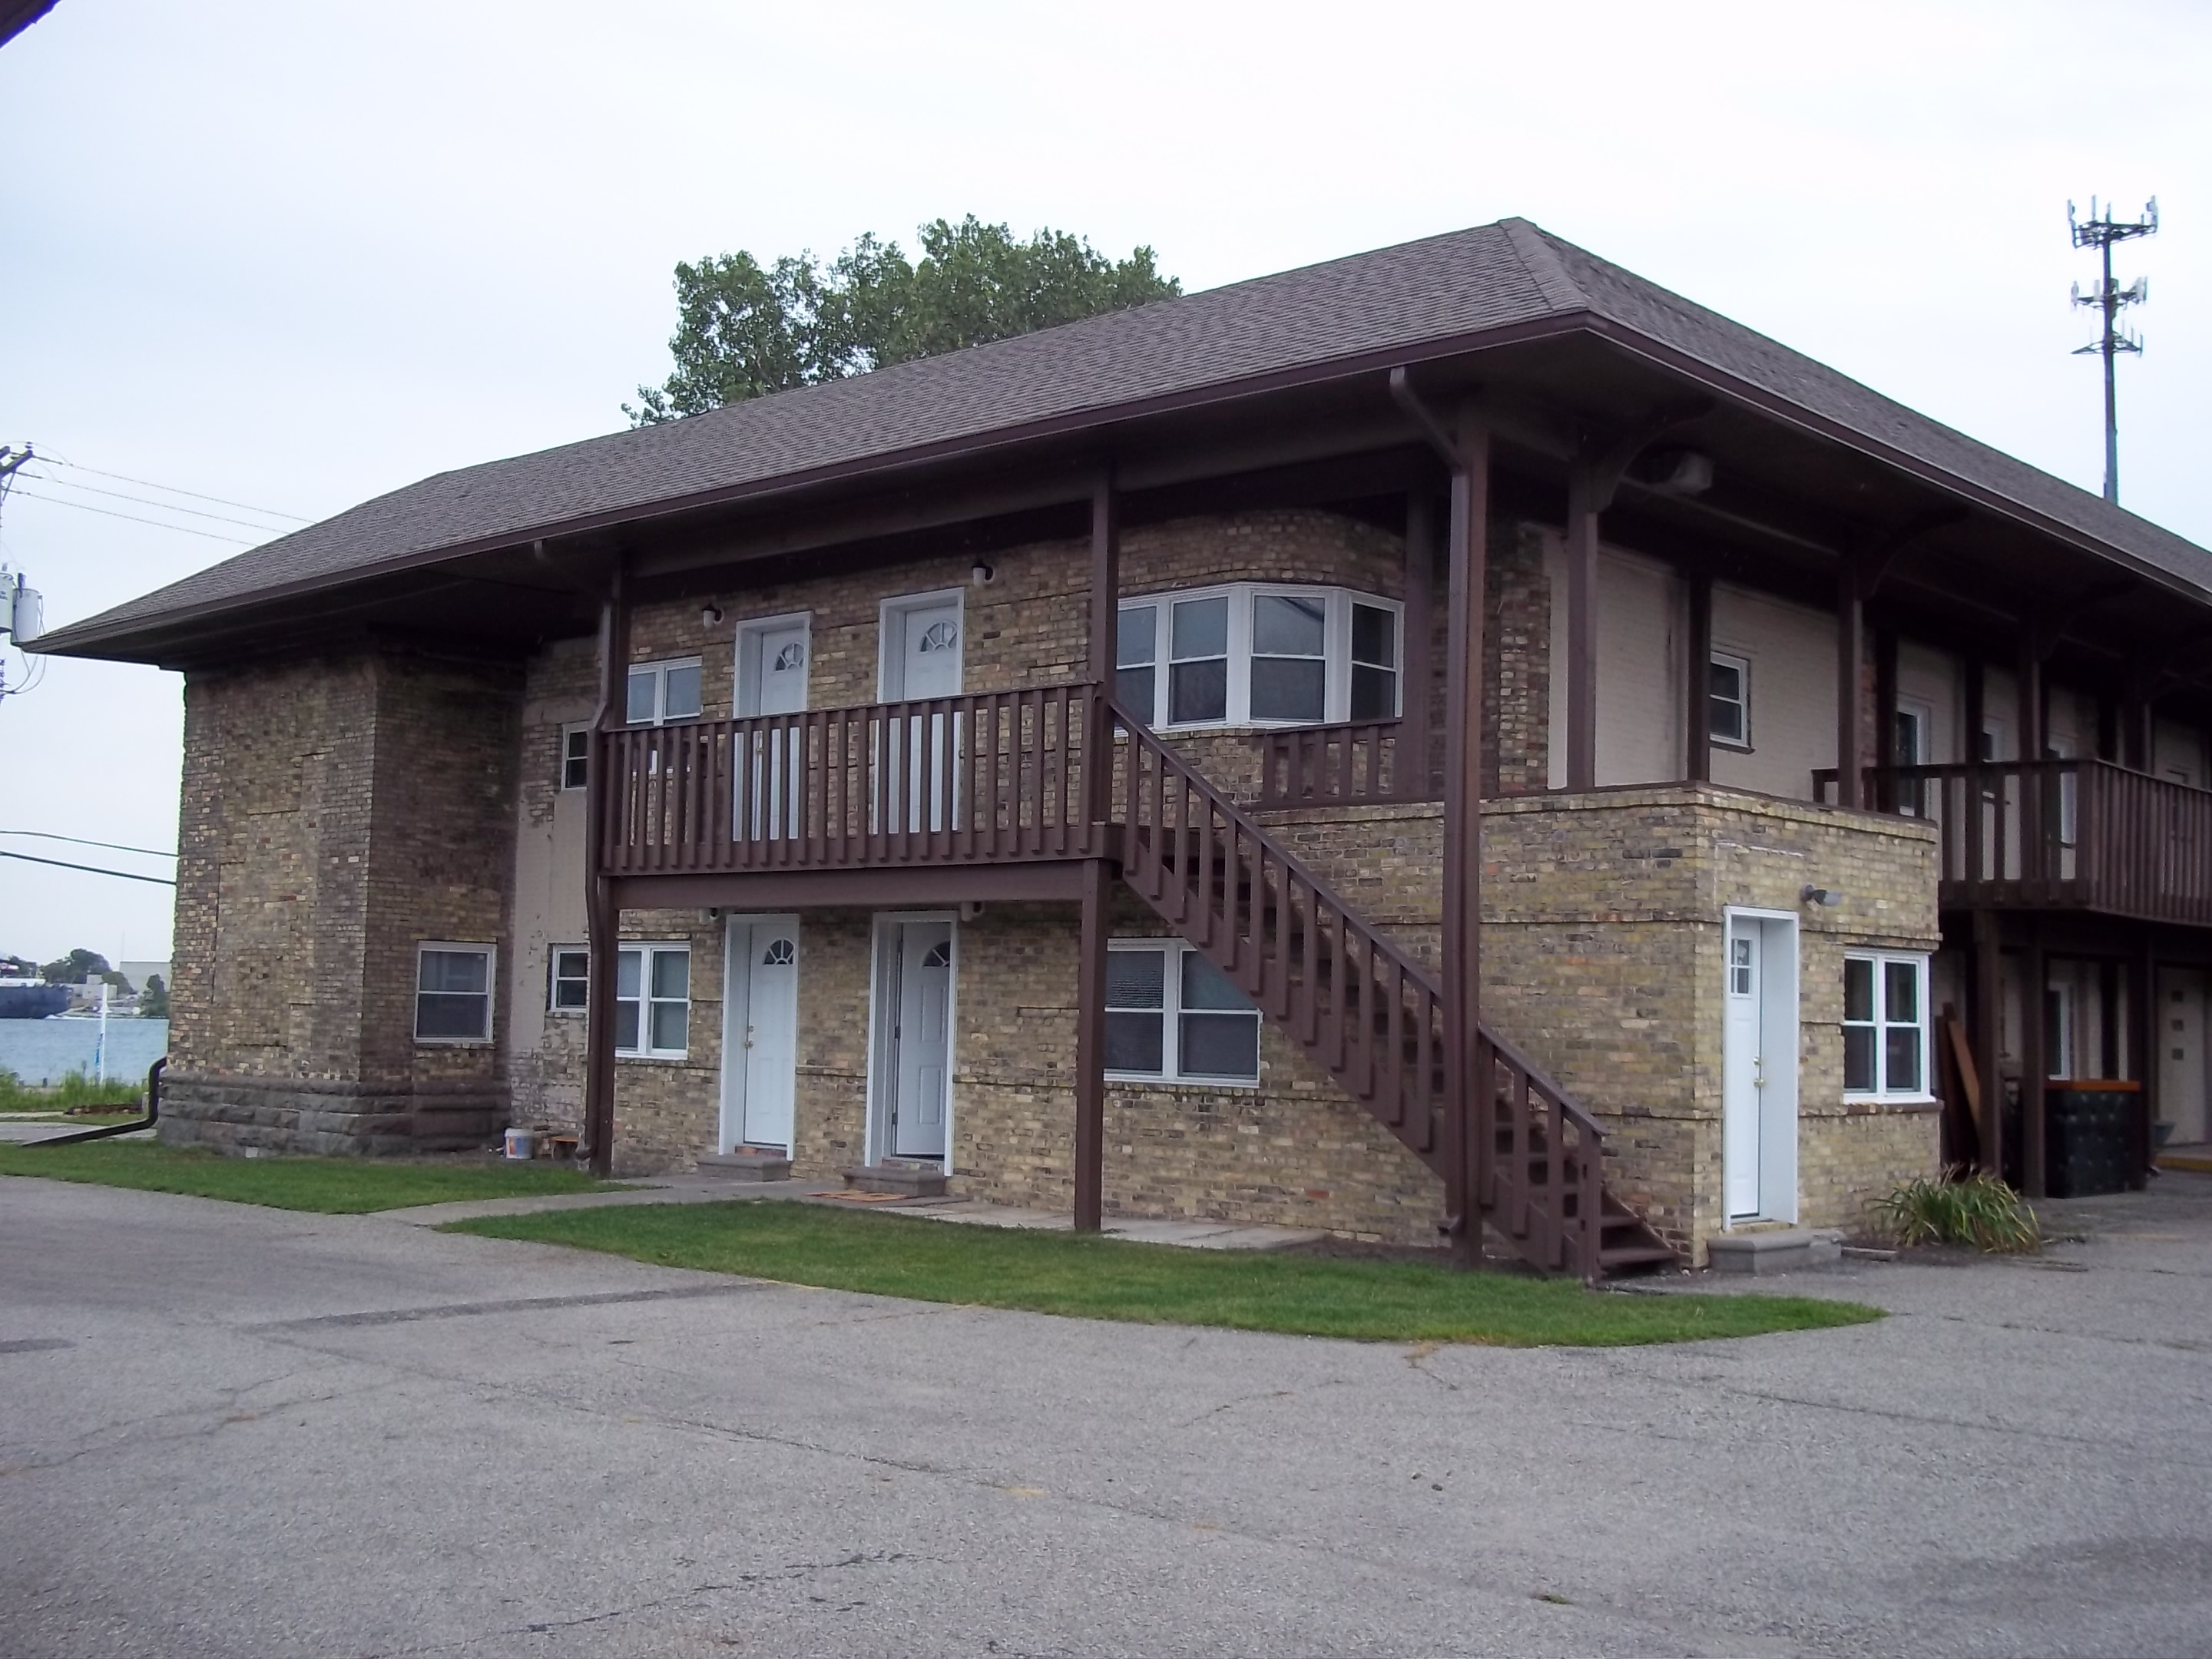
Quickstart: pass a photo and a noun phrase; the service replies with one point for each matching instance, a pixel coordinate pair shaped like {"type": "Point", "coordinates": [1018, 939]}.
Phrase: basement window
{"type": "Point", "coordinates": [1885, 1026]}
{"type": "Point", "coordinates": [1248, 654]}
{"type": "Point", "coordinates": [452, 992]}
{"type": "Point", "coordinates": [1173, 1017]}
{"type": "Point", "coordinates": [653, 1001]}
{"type": "Point", "coordinates": [662, 691]}
{"type": "Point", "coordinates": [570, 974]}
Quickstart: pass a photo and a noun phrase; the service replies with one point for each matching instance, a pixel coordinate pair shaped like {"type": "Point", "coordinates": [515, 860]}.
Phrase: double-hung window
{"type": "Point", "coordinates": [575, 757]}
{"type": "Point", "coordinates": [452, 992]}
{"type": "Point", "coordinates": [1728, 700]}
{"type": "Point", "coordinates": [1885, 1026]}
{"type": "Point", "coordinates": [1249, 654]}
{"type": "Point", "coordinates": [662, 691]}
{"type": "Point", "coordinates": [568, 989]}
{"type": "Point", "coordinates": [1172, 1017]}
{"type": "Point", "coordinates": [653, 1001]}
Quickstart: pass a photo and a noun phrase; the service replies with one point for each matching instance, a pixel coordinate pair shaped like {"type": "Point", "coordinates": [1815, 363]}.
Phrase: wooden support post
{"type": "Point", "coordinates": [1105, 630]}
{"type": "Point", "coordinates": [2037, 810]}
{"type": "Point", "coordinates": [1977, 719]}
{"type": "Point", "coordinates": [1989, 1037]}
{"type": "Point", "coordinates": [1414, 775]}
{"type": "Point", "coordinates": [2146, 1041]}
{"type": "Point", "coordinates": [1468, 1124]}
{"type": "Point", "coordinates": [1091, 1052]}
{"type": "Point", "coordinates": [1698, 683]}
{"type": "Point", "coordinates": [1098, 771]}
{"type": "Point", "coordinates": [2034, 1062]}
{"type": "Point", "coordinates": [1582, 628]}
{"type": "Point", "coordinates": [602, 916]}
{"type": "Point", "coordinates": [1850, 657]}
{"type": "Point", "coordinates": [1886, 753]}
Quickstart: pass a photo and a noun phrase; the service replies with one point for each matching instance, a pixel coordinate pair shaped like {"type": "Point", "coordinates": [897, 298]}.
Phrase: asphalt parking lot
{"type": "Point", "coordinates": [233, 1431]}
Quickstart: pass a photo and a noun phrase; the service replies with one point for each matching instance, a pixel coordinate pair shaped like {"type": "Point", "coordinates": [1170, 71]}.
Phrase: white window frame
{"type": "Point", "coordinates": [490, 993]}
{"type": "Point", "coordinates": [1171, 1012]}
{"type": "Point", "coordinates": [569, 734]}
{"type": "Point", "coordinates": [1741, 665]}
{"type": "Point", "coordinates": [1881, 1025]}
{"type": "Point", "coordinates": [1336, 650]}
{"type": "Point", "coordinates": [646, 950]}
{"type": "Point", "coordinates": [659, 671]}
{"type": "Point", "coordinates": [554, 979]}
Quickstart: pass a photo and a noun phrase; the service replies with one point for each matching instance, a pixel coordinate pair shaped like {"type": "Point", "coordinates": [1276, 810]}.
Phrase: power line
{"type": "Point", "coordinates": [165, 507]}
{"type": "Point", "coordinates": [111, 846]}
{"type": "Point", "coordinates": [110, 512]}
{"type": "Point", "coordinates": [59, 864]}
{"type": "Point", "coordinates": [172, 489]}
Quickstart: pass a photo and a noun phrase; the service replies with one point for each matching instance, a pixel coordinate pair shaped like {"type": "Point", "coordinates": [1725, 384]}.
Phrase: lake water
{"type": "Point", "coordinates": [47, 1050]}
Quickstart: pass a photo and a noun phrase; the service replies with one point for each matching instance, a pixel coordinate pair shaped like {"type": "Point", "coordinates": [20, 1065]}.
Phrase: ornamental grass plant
{"type": "Point", "coordinates": [1960, 1208]}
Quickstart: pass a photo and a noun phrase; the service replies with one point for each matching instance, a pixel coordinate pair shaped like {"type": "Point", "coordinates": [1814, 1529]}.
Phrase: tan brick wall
{"type": "Point", "coordinates": [1602, 944]}
{"type": "Point", "coordinates": [335, 815]}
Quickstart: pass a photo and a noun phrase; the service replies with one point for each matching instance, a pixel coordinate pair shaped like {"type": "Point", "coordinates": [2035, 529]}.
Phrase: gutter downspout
{"type": "Point", "coordinates": [153, 1115]}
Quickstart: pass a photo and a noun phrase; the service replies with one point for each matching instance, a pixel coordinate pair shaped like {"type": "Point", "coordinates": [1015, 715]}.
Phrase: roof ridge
{"type": "Point", "coordinates": [1532, 244]}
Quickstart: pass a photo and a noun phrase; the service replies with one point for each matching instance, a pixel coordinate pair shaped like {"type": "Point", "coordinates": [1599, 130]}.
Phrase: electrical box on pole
{"type": "Point", "coordinates": [2099, 231]}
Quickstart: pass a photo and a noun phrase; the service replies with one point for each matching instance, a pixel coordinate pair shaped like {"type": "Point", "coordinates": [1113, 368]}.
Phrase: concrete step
{"type": "Point", "coordinates": [1772, 1250]}
{"type": "Point", "coordinates": [747, 1165]}
{"type": "Point", "coordinates": [907, 1180]}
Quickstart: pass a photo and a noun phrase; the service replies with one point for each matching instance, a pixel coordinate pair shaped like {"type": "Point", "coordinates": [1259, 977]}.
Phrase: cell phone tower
{"type": "Point", "coordinates": [2099, 231]}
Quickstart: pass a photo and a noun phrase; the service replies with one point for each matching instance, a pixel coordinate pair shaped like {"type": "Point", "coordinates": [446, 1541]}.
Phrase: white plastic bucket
{"type": "Point", "coordinates": [521, 1143]}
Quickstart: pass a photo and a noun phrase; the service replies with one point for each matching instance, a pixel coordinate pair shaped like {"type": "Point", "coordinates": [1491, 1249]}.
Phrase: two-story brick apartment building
{"type": "Point", "coordinates": [1356, 748]}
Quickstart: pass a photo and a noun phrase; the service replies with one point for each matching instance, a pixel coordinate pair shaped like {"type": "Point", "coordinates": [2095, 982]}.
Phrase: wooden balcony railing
{"type": "Point", "coordinates": [1345, 764]}
{"type": "Point", "coordinates": [2057, 834]}
{"type": "Point", "coordinates": [993, 778]}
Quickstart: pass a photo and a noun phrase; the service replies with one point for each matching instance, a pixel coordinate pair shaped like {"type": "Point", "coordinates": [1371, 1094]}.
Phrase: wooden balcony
{"type": "Point", "coordinates": [2057, 834]}
{"type": "Point", "coordinates": [1351, 763]}
{"type": "Point", "coordinates": [993, 779]}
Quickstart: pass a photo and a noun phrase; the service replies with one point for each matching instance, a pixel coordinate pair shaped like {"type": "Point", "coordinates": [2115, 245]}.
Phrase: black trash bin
{"type": "Point", "coordinates": [2091, 1137]}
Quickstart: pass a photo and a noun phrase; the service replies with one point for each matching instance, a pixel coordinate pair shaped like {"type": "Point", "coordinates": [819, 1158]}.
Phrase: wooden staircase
{"type": "Point", "coordinates": [1373, 1017]}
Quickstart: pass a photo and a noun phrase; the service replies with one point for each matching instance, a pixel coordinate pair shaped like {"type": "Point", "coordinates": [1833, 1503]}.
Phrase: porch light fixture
{"type": "Point", "coordinates": [1827, 897]}
{"type": "Point", "coordinates": [709, 614]}
{"type": "Point", "coordinates": [983, 575]}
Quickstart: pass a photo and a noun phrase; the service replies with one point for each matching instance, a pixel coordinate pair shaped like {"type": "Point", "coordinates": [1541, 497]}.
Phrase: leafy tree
{"type": "Point", "coordinates": [745, 329]}
{"type": "Point", "coordinates": [154, 1000]}
{"type": "Point", "coordinates": [77, 968]}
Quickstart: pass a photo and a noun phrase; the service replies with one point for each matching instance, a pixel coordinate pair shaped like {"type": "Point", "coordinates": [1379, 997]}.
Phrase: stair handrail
{"type": "Point", "coordinates": [1580, 1237]}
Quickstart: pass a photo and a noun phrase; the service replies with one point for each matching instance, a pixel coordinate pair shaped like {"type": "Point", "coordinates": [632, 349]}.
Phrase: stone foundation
{"type": "Point", "coordinates": [298, 1115]}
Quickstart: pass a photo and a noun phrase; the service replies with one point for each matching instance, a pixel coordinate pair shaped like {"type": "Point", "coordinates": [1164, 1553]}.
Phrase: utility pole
{"type": "Point", "coordinates": [2100, 230]}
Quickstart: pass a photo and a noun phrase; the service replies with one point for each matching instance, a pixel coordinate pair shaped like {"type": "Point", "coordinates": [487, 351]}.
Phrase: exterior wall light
{"type": "Point", "coordinates": [1827, 897]}
{"type": "Point", "coordinates": [709, 614]}
{"type": "Point", "coordinates": [983, 575]}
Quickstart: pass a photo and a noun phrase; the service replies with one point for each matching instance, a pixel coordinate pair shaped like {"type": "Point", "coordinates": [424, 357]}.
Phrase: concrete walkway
{"type": "Point", "coordinates": [24, 1133]}
{"type": "Point", "coordinates": [721, 1190]}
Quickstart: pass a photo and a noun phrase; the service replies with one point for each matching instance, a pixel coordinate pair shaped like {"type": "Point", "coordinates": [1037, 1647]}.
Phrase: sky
{"type": "Point", "coordinates": [295, 256]}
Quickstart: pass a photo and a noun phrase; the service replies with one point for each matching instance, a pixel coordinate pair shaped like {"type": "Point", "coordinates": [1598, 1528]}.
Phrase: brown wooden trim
{"type": "Point", "coordinates": [1697, 682]}
{"type": "Point", "coordinates": [1417, 676]}
{"type": "Point", "coordinates": [1582, 547]}
{"type": "Point", "coordinates": [1466, 1122]}
{"type": "Point", "coordinates": [602, 908]}
{"type": "Point", "coordinates": [1090, 1051]}
{"type": "Point", "coordinates": [879, 889]}
{"type": "Point", "coordinates": [1989, 1037]}
{"type": "Point", "coordinates": [1850, 658]}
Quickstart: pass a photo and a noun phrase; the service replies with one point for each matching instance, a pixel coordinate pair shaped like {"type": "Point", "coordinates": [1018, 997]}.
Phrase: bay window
{"type": "Point", "coordinates": [1249, 654]}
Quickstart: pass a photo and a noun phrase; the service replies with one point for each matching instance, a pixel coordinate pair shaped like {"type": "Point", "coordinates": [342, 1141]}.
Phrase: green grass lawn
{"type": "Point", "coordinates": [1155, 1283]}
{"type": "Point", "coordinates": [335, 1186]}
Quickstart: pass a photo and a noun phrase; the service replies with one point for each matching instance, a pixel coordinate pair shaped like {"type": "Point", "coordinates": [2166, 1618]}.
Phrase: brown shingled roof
{"type": "Point", "coordinates": [1442, 293]}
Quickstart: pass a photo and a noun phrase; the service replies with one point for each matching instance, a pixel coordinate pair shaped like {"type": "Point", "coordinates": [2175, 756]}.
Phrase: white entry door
{"type": "Point", "coordinates": [761, 1034]}
{"type": "Point", "coordinates": [921, 1038]}
{"type": "Point", "coordinates": [1758, 1070]}
{"type": "Point", "coordinates": [923, 651]}
{"type": "Point", "coordinates": [2181, 1055]}
{"type": "Point", "coordinates": [771, 680]}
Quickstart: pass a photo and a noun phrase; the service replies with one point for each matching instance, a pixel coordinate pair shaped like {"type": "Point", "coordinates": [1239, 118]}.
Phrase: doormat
{"type": "Point", "coordinates": [863, 1198]}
